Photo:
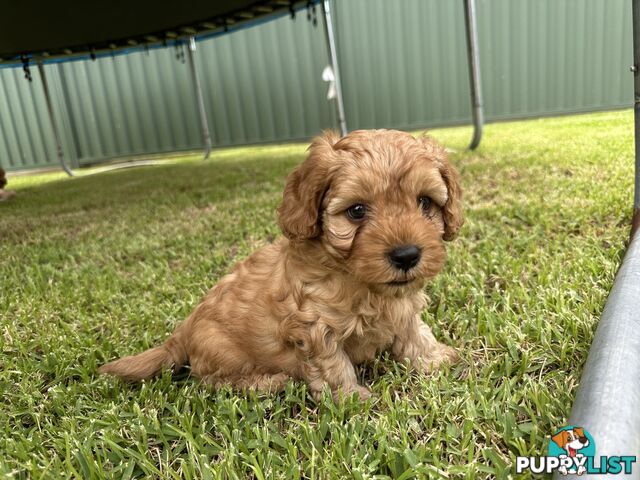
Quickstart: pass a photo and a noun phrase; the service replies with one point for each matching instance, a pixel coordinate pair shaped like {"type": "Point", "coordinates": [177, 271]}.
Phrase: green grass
{"type": "Point", "coordinates": [107, 264]}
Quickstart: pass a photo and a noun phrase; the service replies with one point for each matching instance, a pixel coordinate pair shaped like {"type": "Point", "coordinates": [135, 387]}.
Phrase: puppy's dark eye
{"type": "Point", "coordinates": [357, 211]}
{"type": "Point", "coordinates": [424, 203]}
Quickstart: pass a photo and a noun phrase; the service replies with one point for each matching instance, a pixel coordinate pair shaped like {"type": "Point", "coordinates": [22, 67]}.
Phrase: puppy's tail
{"type": "Point", "coordinates": [171, 354]}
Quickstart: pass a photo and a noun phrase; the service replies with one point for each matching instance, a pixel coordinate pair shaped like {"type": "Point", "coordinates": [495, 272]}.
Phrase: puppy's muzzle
{"type": "Point", "coordinates": [405, 257]}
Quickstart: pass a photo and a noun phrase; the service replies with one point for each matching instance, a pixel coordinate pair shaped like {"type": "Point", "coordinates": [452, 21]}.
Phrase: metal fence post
{"type": "Point", "coordinates": [52, 119]}
{"type": "Point", "coordinates": [635, 224]}
{"type": "Point", "coordinates": [204, 122]}
{"type": "Point", "coordinates": [333, 60]}
{"type": "Point", "coordinates": [474, 71]}
{"type": "Point", "coordinates": [606, 404]}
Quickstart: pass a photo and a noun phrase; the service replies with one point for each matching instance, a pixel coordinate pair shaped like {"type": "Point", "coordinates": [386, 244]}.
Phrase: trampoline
{"type": "Point", "coordinates": [33, 33]}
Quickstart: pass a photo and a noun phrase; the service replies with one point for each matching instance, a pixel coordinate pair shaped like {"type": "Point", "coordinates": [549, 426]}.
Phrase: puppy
{"type": "Point", "coordinates": [4, 194]}
{"type": "Point", "coordinates": [364, 219]}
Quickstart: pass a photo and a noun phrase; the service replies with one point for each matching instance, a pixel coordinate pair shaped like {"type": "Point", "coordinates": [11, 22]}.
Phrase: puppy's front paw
{"type": "Point", "coordinates": [342, 393]}
{"type": "Point", "coordinates": [450, 354]}
{"type": "Point", "coordinates": [363, 393]}
{"type": "Point", "coordinates": [440, 355]}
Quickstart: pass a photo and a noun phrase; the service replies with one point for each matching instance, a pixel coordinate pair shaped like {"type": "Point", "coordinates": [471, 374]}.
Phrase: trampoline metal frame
{"type": "Point", "coordinates": [607, 403]}
{"type": "Point", "coordinates": [197, 86]}
{"type": "Point", "coordinates": [332, 51]}
{"type": "Point", "coordinates": [473, 59]}
{"type": "Point", "coordinates": [636, 86]}
{"type": "Point", "coordinates": [52, 119]}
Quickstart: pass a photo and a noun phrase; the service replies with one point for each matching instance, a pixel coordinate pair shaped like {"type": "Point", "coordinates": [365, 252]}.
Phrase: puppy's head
{"type": "Point", "coordinates": [380, 202]}
{"type": "Point", "coordinates": [3, 180]}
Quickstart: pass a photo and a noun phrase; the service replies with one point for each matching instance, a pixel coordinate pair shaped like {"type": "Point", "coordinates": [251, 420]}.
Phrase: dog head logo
{"type": "Point", "coordinates": [572, 445]}
{"type": "Point", "coordinates": [571, 440]}
{"type": "Point", "coordinates": [380, 203]}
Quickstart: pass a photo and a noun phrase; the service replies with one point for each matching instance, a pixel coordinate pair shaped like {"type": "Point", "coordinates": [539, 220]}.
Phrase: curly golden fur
{"type": "Point", "coordinates": [327, 297]}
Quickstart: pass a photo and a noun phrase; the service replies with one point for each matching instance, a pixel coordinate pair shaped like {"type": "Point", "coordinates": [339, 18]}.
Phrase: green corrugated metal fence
{"type": "Point", "coordinates": [403, 65]}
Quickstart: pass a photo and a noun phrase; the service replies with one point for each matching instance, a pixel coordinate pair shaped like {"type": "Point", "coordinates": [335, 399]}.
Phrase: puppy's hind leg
{"type": "Point", "coordinates": [261, 382]}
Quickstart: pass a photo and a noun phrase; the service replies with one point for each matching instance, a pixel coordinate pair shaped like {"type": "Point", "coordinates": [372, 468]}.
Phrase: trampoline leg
{"type": "Point", "coordinates": [52, 119]}
{"type": "Point", "coordinates": [606, 403]}
{"type": "Point", "coordinates": [636, 86]}
{"type": "Point", "coordinates": [474, 71]}
{"type": "Point", "coordinates": [333, 59]}
{"type": "Point", "coordinates": [204, 123]}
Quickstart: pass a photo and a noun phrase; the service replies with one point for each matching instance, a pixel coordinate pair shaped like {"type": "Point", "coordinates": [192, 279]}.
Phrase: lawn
{"type": "Point", "coordinates": [107, 264]}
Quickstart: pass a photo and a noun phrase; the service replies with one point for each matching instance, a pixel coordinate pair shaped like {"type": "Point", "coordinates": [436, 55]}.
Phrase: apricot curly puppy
{"type": "Point", "coordinates": [364, 219]}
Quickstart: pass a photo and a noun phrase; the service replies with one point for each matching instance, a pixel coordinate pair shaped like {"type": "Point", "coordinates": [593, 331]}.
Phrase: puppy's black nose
{"type": "Point", "coordinates": [404, 257]}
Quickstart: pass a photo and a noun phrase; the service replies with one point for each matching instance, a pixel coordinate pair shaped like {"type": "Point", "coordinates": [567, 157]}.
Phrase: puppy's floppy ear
{"type": "Point", "coordinates": [561, 438]}
{"type": "Point", "coordinates": [298, 215]}
{"type": "Point", "coordinates": [452, 210]}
